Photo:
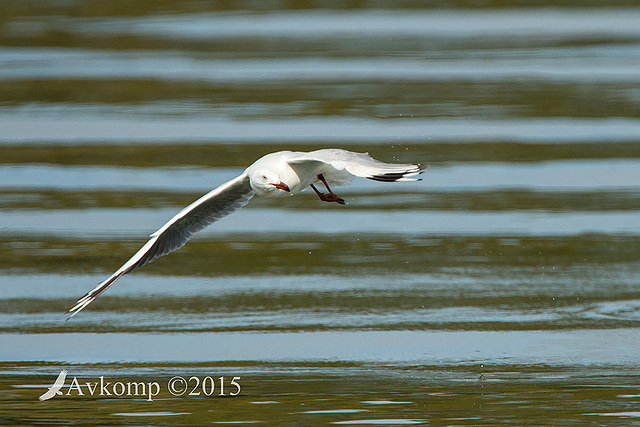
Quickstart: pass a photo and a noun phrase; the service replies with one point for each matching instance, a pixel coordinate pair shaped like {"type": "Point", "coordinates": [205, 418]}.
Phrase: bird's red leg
{"type": "Point", "coordinates": [321, 195]}
{"type": "Point", "coordinates": [331, 197]}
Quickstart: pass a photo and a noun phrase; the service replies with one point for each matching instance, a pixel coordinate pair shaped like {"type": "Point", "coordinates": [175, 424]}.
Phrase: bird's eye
{"type": "Point", "coordinates": [264, 178]}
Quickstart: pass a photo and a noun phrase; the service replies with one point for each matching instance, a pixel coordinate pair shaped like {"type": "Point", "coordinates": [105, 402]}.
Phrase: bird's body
{"type": "Point", "coordinates": [279, 174]}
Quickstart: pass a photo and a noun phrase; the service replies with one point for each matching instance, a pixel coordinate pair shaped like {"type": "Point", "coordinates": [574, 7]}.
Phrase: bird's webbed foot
{"type": "Point", "coordinates": [327, 197]}
{"type": "Point", "coordinates": [331, 197]}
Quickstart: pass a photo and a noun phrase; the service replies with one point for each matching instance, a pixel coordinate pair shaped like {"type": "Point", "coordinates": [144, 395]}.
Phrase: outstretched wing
{"type": "Point", "coordinates": [362, 165]}
{"type": "Point", "coordinates": [214, 205]}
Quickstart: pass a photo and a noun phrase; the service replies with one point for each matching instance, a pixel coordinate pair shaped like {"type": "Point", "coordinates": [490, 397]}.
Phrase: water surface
{"type": "Point", "coordinates": [502, 289]}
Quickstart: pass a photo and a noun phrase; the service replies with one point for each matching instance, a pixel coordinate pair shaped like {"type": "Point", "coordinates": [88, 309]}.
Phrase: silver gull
{"type": "Point", "coordinates": [274, 175]}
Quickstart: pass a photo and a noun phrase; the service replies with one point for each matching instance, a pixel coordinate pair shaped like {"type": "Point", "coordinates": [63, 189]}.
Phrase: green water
{"type": "Point", "coordinates": [503, 289]}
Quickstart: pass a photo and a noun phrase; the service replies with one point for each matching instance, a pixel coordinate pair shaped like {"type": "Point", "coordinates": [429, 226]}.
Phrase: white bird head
{"type": "Point", "coordinates": [267, 183]}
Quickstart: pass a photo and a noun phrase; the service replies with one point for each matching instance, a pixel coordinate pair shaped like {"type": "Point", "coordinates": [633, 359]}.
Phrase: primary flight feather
{"type": "Point", "coordinates": [274, 175]}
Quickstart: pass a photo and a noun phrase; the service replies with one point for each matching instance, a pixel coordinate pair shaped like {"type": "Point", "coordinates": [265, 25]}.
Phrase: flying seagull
{"type": "Point", "coordinates": [273, 175]}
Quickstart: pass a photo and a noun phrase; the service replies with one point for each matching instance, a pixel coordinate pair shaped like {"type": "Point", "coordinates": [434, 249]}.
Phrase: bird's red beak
{"type": "Point", "coordinates": [282, 186]}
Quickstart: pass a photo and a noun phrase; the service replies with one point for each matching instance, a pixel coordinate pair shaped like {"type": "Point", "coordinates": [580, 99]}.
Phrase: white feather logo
{"type": "Point", "coordinates": [54, 390]}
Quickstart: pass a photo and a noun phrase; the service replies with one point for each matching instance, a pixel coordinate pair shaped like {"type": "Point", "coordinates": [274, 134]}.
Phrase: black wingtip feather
{"type": "Point", "coordinates": [383, 178]}
{"type": "Point", "coordinates": [395, 176]}
{"type": "Point", "coordinates": [388, 177]}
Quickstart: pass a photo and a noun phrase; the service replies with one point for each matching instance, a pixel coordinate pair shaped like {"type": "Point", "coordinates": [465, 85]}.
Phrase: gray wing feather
{"type": "Point", "coordinates": [214, 205]}
{"type": "Point", "coordinates": [362, 165]}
